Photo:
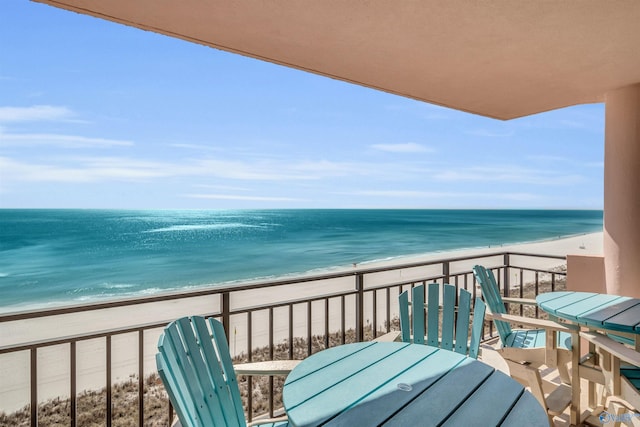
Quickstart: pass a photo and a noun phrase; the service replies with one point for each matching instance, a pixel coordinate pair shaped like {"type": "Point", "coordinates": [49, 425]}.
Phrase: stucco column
{"type": "Point", "coordinates": [622, 191]}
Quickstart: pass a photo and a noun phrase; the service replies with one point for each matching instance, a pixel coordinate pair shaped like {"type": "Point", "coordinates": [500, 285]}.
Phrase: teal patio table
{"type": "Point", "coordinates": [402, 384]}
{"type": "Point", "coordinates": [616, 315]}
{"type": "Point", "coordinates": [610, 313]}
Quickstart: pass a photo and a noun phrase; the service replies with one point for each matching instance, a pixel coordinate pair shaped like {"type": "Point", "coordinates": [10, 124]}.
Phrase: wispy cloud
{"type": "Point", "coordinates": [239, 170]}
{"type": "Point", "coordinates": [510, 175]}
{"type": "Point", "coordinates": [566, 162]}
{"type": "Point", "coordinates": [422, 110]}
{"type": "Point", "coordinates": [222, 187]}
{"type": "Point", "coordinates": [34, 113]}
{"type": "Point", "coordinates": [198, 147]}
{"type": "Point", "coordinates": [586, 118]}
{"type": "Point", "coordinates": [246, 198]}
{"type": "Point", "coordinates": [323, 168]}
{"type": "Point", "coordinates": [445, 195]}
{"type": "Point", "coordinates": [57, 140]}
{"type": "Point", "coordinates": [87, 170]}
{"type": "Point", "coordinates": [489, 133]}
{"type": "Point", "coordinates": [408, 147]}
{"type": "Point", "coordinates": [572, 124]}
{"type": "Point", "coordinates": [546, 158]}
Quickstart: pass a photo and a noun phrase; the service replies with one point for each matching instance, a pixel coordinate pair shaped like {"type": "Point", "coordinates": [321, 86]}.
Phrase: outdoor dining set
{"type": "Point", "coordinates": [434, 371]}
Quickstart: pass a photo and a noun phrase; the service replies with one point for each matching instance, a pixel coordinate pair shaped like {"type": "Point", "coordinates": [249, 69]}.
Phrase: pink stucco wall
{"type": "Point", "coordinates": [622, 192]}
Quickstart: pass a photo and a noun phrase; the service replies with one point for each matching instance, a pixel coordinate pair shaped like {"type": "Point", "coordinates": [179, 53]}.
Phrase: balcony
{"type": "Point", "coordinates": [97, 366]}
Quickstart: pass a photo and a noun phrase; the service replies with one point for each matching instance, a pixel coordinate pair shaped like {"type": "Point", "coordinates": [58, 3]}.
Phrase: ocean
{"type": "Point", "coordinates": [53, 257]}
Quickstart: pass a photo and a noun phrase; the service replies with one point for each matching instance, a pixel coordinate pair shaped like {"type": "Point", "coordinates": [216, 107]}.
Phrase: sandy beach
{"type": "Point", "coordinates": [54, 361]}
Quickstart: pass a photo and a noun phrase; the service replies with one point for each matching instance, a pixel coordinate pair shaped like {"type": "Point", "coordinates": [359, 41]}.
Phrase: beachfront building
{"type": "Point", "coordinates": [500, 59]}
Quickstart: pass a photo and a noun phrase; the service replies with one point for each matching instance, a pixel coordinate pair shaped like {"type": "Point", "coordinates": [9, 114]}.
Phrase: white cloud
{"type": "Point", "coordinates": [422, 110]}
{"type": "Point", "coordinates": [236, 197]}
{"type": "Point", "coordinates": [326, 168]}
{"type": "Point", "coordinates": [259, 171]}
{"type": "Point", "coordinates": [86, 170]}
{"type": "Point", "coordinates": [34, 113]}
{"type": "Point", "coordinates": [222, 187]}
{"type": "Point", "coordinates": [409, 147]}
{"type": "Point", "coordinates": [489, 133]}
{"type": "Point", "coordinates": [198, 147]}
{"type": "Point", "coordinates": [57, 140]}
{"type": "Point", "coordinates": [545, 158]}
{"type": "Point", "coordinates": [509, 175]}
{"type": "Point", "coordinates": [444, 195]}
{"type": "Point", "coordinates": [583, 118]}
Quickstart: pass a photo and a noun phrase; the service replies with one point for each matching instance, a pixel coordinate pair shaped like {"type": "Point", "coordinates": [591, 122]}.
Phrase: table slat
{"type": "Point", "coordinates": [489, 403]}
{"type": "Point", "coordinates": [388, 399]}
{"type": "Point", "coordinates": [442, 399]}
{"type": "Point", "coordinates": [364, 374]}
{"type": "Point", "coordinates": [627, 320]}
{"type": "Point", "coordinates": [526, 413]}
{"type": "Point", "coordinates": [303, 388]}
{"type": "Point", "coordinates": [395, 384]}
{"type": "Point", "coordinates": [554, 301]}
{"type": "Point", "coordinates": [322, 358]}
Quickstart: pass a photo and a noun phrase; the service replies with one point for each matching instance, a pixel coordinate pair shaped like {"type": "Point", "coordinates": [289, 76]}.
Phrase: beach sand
{"type": "Point", "coordinates": [54, 361]}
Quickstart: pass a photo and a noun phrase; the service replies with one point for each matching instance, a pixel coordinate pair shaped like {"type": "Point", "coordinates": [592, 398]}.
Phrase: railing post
{"type": "Point", "coordinates": [34, 386]}
{"type": "Point", "coordinates": [109, 385]}
{"type": "Point", "coordinates": [141, 377]}
{"type": "Point", "coordinates": [445, 272]}
{"type": "Point", "coordinates": [73, 408]}
{"type": "Point", "coordinates": [225, 313]}
{"type": "Point", "coordinates": [359, 307]}
{"type": "Point", "coordinates": [505, 278]}
{"type": "Point", "coordinates": [507, 266]}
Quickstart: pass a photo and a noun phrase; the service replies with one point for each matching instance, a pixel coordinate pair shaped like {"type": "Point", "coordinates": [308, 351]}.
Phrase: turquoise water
{"type": "Point", "coordinates": [69, 256]}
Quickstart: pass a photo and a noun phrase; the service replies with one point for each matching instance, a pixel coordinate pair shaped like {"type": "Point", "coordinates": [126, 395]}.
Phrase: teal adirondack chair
{"type": "Point", "coordinates": [455, 329]}
{"type": "Point", "coordinates": [195, 366]}
{"type": "Point", "coordinates": [546, 342]}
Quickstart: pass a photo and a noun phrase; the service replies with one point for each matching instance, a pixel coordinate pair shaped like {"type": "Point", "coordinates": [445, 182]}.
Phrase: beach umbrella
{"type": "Point", "coordinates": [499, 58]}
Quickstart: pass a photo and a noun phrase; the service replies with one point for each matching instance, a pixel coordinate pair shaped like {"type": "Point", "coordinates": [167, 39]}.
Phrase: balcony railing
{"type": "Point", "coordinates": [100, 345]}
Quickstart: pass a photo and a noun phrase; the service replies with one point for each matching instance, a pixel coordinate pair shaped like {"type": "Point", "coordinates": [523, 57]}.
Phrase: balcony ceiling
{"type": "Point", "coordinates": [500, 58]}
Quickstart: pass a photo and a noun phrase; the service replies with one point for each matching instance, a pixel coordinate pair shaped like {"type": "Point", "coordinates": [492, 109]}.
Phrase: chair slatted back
{"type": "Point", "coordinates": [453, 332]}
{"type": "Point", "coordinates": [196, 369]}
{"type": "Point", "coordinates": [433, 316]}
{"type": "Point", "coordinates": [405, 328]}
{"type": "Point", "coordinates": [491, 294]}
{"type": "Point", "coordinates": [477, 329]}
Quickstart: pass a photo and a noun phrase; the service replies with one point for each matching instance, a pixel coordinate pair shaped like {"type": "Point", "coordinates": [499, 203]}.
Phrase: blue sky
{"type": "Point", "coordinates": [98, 115]}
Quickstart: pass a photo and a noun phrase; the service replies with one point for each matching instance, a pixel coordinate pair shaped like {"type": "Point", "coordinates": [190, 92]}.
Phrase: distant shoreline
{"type": "Point", "coordinates": [390, 261]}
